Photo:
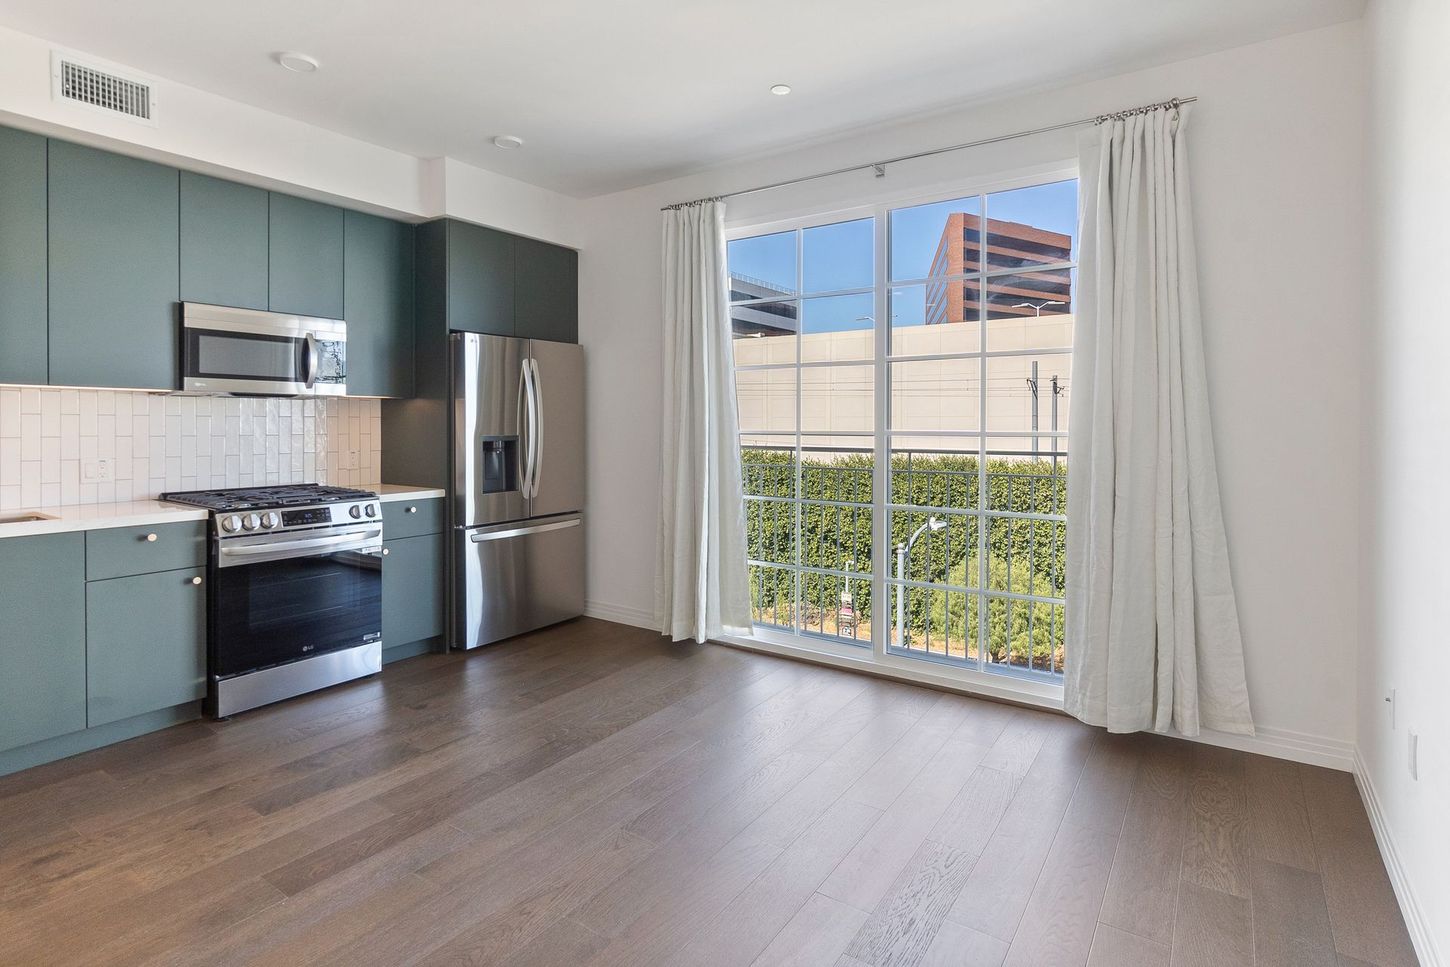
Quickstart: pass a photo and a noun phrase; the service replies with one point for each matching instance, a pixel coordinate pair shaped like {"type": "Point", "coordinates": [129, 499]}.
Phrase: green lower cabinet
{"type": "Point", "coordinates": [42, 638]}
{"type": "Point", "coordinates": [412, 590]}
{"type": "Point", "coordinates": [145, 642]}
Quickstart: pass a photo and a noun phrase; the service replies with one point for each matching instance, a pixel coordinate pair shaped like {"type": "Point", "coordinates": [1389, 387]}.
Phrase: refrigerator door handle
{"type": "Point", "coordinates": [538, 432]}
{"type": "Point", "coordinates": [531, 419]}
{"type": "Point", "coordinates": [479, 538]}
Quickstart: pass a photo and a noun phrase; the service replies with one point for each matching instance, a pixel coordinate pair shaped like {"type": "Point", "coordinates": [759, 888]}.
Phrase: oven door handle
{"type": "Point", "coordinates": [361, 539]}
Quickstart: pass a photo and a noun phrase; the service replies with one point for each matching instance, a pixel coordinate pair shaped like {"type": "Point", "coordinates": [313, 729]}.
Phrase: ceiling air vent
{"type": "Point", "coordinates": [101, 88]}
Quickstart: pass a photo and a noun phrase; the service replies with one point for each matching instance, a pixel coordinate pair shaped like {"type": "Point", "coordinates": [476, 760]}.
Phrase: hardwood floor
{"type": "Point", "coordinates": [592, 795]}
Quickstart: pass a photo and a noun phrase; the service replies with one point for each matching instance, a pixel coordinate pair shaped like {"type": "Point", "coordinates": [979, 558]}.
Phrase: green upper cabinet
{"type": "Point", "coordinates": [113, 280]}
{"type": "Point", "coordinates": [480, 279]}
{"type": "Point", "coordinates": [42, 638]}
{"type": "Point", "coordinates": [223, 242]}
{"type": "Point", "coordinates": [22, 258]}
{"type": "Point", "coordinates": [546, 291]}
{"type": "Point", "coordinates": [305, 261]}
{"type": "Point", "coordinates": [496, 283]}
{"type": "Point", "coordinates": [378, 306]}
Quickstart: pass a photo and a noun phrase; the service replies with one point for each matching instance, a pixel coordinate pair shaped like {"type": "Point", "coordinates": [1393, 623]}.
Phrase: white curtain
{"type": "Point", "coordinates": [1153, 630]}
{"type": "Point", "coordinates": [701, 582]}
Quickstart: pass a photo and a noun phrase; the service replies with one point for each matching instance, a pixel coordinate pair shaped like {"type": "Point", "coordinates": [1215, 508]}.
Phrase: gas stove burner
{"type": "Point", "coordinates": [252, 498]}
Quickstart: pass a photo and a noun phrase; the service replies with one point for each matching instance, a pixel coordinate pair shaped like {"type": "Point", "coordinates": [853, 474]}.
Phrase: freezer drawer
{"type": "Point", "coordinates": [512, 578]}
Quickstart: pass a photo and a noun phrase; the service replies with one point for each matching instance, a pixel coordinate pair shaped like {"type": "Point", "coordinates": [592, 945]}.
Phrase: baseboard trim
{"type": "Point", "coordinates": [1415, 920]}
{"type": "Point", "coordinates": [620, 614]}
{"type": "Point", "coordinates": [1314, 750]}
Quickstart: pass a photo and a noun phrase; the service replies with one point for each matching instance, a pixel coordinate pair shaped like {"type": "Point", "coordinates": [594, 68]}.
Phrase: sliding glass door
{"type": "Point", "coordinates": [903, 376]}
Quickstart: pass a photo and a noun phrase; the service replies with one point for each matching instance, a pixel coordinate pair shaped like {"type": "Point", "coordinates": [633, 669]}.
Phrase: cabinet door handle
{"type": "Point", "coordinates": [151, 538]}
{"type": "Point", "coordinates": [196, 580]}
{"type": "Point", "coordinates": [385, 552]}
{"type": "Point", "coordinates": [412, 510]}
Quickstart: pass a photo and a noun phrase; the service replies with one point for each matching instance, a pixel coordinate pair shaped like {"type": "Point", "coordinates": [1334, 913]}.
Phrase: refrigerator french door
{"type": "Point", "coordinates": [518, 486]}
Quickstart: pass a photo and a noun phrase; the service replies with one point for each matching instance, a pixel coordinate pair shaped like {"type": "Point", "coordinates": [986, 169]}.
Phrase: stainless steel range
{"type": "Point", "coordinates": [296, 591]}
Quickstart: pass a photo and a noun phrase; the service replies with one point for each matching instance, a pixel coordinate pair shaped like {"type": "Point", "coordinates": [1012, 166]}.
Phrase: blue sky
{"type": "Point", "coordinates": [839, 256]}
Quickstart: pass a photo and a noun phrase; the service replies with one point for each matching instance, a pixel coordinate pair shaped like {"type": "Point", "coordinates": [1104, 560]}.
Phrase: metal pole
{"type": "Point", "coordinates": [878, 166]}
{"type": "Point", "coordinates": [1036, 442]}
{"type": "Point", "coordinates": [901, 596]}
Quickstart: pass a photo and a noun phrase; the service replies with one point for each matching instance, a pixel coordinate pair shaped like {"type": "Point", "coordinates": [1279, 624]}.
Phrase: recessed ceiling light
{"type": "Point", "coordinates": [297, 63]}
{"type": "Point", "coordinates": [508, 141]}
{"type": "Point", "coordinates": [780, 90]}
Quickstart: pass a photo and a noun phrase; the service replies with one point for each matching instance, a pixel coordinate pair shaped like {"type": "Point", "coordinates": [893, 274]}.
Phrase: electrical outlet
{"type": "Point", "coordinates": [1414, 756]}
{"type": "Point", "coordinates": [95, 471]}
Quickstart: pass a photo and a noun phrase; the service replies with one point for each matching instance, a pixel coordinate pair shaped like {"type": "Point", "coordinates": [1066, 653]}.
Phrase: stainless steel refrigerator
{"type": "Point", "coordinates": [518, 485]}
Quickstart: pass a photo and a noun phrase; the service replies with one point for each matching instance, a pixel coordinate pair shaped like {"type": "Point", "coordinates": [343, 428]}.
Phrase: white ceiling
{"type": "Point", "coordinates": [615, 93]}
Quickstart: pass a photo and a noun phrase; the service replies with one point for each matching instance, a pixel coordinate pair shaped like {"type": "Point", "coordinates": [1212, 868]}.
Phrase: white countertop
{"type": "Point", "coordinates": [390, 492]}
{"type": "Point", "coordinates": [84, 517]}
{"type": "Point", "coordinates": [138, 513]}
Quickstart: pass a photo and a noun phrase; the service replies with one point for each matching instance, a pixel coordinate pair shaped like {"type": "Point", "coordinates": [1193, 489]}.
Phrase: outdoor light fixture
{"type": "Point", "coordinates": [932, 524]}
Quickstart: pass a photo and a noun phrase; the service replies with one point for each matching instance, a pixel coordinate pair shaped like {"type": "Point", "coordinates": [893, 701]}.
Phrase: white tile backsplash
{"type": "Point", "coordinates": [51, 438]}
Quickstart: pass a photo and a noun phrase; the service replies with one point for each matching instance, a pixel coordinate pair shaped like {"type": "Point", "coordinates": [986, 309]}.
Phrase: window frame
{"type": "Point", "coordinates": [883, 656]}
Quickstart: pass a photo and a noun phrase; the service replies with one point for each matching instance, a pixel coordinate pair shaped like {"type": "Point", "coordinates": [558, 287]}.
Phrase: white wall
{"type": "Point", "coordinates": [1278, 169]}
{"type": "Point", "coordinates": [1406, 344]}
{"type": "Point", "coordinates": [204, 132]}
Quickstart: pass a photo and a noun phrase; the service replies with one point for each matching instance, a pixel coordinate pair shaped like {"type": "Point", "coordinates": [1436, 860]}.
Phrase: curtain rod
{"type": "Point", "coordinates": [880, 166]}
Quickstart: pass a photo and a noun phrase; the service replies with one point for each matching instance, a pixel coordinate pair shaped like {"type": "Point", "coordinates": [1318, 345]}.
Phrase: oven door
{"type": "Point", "coordinates": [226, 350]}
{"type": "Point", "coordinates": [278, 598]}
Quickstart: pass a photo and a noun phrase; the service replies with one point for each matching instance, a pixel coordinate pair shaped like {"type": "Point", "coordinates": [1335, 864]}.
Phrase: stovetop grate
{"type": "Point", "coordinates": [251, 498]}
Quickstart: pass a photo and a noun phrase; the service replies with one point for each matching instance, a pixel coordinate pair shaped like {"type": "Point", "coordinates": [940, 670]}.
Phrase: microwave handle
{"type": "Point", "coordinates": [309, 360]}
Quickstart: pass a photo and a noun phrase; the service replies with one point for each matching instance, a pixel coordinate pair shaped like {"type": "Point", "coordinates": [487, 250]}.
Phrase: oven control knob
{"type": "Point", "coordinates": [355, 511]}
{"type": "Point", "coordinates": [270, 519]}
{"type": "Point", "coordinates": [250, 522]}
{"type": "Point", "coordinates": [370, 510]}
{"type": "Point", "coordinates": [231, 524]}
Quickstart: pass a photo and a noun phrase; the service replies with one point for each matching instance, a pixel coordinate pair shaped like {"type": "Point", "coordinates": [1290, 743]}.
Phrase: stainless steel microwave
{"type": "Point", "coordinates": [246, 351]}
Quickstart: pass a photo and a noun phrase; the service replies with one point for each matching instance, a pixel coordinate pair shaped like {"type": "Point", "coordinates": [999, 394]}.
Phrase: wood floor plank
{"type": "Point", "coordinates": [905, 923]}
{"type": "Point", "coordinates": [1363, 912]}
{"type": "Point", "coordinates": [508, 933]}
{"type": "Point", "coordinates": [957, 946]}
{"type": "Point", "coordinates": [1117, 948]}
{"type": "Point", "coordinates": [1278, 817]}
{"type": "Point", "coordinates": [1001, 882]}
{"type": "Point", "coordinates": [816, 936]}
{"type": "Point", "coordinates": [1142, 890]}
{"type": "Point", "coordinates": [1211, 929]}
{"type": "Point", "coordinates": [1291, 919]}
{"type": "Point", "coordinates": [1216, 847]}
{"type": "Point", "coordinates": [747, 925]}
{"type": "Point", "coordinates": [1101, 798]}
{"type": "Point", "coordinates": [882, 783]}
{"type": "Point", "coordinates": [1061, 917]}
{"type": "Point", "coordinates": [866, 875]}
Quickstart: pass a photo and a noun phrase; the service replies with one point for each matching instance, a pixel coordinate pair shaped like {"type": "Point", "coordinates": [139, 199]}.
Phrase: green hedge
{"type": "Point", "coordinates": [1024, 556]}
